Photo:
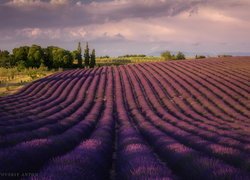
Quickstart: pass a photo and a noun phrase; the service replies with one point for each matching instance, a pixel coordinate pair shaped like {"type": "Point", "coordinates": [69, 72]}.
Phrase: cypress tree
{"type": "Point", "coordinates": [92, 59]}
{"type": "Point", "coordinates": [86, 55]}
{"type": "Point", "coordinates": [79, 55]}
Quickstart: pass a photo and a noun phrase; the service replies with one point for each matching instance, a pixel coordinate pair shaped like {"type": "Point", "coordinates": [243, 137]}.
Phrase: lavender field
{"type": "Point", "coordinates": [165, 120]}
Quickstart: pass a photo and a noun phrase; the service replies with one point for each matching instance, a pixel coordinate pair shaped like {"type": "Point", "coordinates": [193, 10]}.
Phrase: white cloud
{"type": "Point", "coordinates": [78, 32]}
{"type": "Point", "coordinates": [24, 2]}
{"type": "Point", "coordinates": [34, 3]}
{"type": "Point", "coordinates": [60, 2]}
{"type": "Point", "coordinates": [132, 30]}
{"type": "Point", "coordinates": [55, 33]}
{"type": "Point", "coordinates": [216, 16]}
{"type": "Point", "coordinates": [30, 32]}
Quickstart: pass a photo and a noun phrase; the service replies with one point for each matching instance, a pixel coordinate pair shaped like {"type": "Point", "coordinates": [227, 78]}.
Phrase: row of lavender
{"type": "Point", "coordinates": [57, 137]}
{"type": "Point", "coordinates": [149, 121]}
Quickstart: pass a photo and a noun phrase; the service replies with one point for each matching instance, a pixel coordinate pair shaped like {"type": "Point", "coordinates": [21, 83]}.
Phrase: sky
{"type": "Point", "coordinates": [118, 27]}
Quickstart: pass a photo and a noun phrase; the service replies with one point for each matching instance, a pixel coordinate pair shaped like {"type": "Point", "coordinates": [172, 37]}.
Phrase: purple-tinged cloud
{"type": "Point", "coordinates": [149, 25]}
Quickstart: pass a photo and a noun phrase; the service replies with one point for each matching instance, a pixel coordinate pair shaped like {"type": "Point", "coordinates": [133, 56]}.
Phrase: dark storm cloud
{"type": "Point", "coordinates": [62, 13]}
{"type": "Point", "coordinates": [40, 15]}
{"type": "Point", "coordinates": [66, 13]}
{"type": "Point", "coordinates": [184, 23]}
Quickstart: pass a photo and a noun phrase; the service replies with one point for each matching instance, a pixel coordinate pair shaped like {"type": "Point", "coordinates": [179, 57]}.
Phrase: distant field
{"type": "Point", "coordinates": [185, 119]}
{"type": "Point", "coordinates": [11, 80]}
{"type": "Point", "coordinates": [127, 60]}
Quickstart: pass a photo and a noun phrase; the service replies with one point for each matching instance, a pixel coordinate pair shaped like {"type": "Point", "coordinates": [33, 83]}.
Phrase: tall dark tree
{"type": "Point", "coordinates": [180, 56]}
{"type": "Point", "coordinates": [48, 56]}
{"type": "Point", "coordinates": [61, 58]}
{"type": "Point", "coordinates": [92, 59]}
{"type": "Point", "coordinates": [5, 59]}
{"type": "Point", "coordinates": [20, 54]}
{"type": "Point", "coordinates": [79, 55]}
{"type": "Point", "coordinates": [35, 56]}
{"type": "Point", "coordinates": [86, 55]}
{"type": "Point", "coordinates": [79, 48]}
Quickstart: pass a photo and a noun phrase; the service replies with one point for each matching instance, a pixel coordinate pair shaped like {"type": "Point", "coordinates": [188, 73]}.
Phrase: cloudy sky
{"type": "Point", "coordinates": [117, 27]}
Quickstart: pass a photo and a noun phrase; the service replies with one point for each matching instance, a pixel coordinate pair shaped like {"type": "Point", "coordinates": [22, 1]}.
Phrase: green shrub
{"type": "Point", "coordinates": [225, 55]}
{"type": "Point", "coordinates": [200, 57]}
{"type": "Point", "coordinates": [180, 56]}
{"type": "Point", "coordinates": [167, 55]}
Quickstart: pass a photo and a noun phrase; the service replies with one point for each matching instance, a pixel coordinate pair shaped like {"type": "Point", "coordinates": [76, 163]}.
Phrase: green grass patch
{"type": "Point", "coordinates": [12, 79]}
{"type": "Point", "coordinates": [127, 60]}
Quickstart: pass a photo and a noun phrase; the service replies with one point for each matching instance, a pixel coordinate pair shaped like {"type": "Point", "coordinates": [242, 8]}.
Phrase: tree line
{"type": "Point", "coordinates": [132, 55]}
{"type": "Point", "coordinates": [52, 57]}
{"type": "Point", "coordinates": [168, 56]}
